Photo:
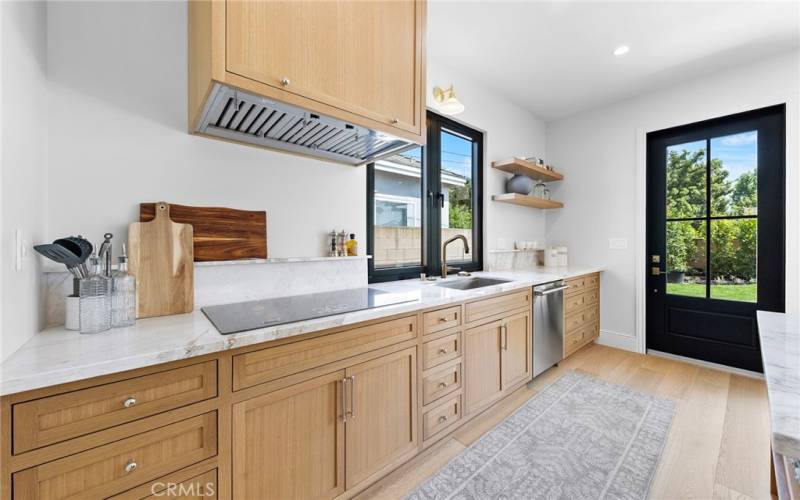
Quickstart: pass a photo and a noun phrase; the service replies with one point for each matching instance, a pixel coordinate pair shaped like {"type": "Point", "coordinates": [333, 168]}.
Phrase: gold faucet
{"type": "Point", "coordinates": [444, 253]}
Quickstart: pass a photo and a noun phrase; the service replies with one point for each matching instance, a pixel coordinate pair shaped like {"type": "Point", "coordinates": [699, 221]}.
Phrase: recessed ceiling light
{"type": "Point", "coordinates": [621, 50]}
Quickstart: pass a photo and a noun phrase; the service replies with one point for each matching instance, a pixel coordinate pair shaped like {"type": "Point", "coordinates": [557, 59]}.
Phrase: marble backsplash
{"type": "Point", "coordinates": [511, 260]}
{"type": "Point", "coordinates": [238, 281]}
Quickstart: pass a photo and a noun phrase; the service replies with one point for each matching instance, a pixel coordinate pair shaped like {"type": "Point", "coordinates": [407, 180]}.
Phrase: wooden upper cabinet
{"type": "Point", "coordinates": [363, 57]}
{"type": "Point", "coordinates": [362, 62]}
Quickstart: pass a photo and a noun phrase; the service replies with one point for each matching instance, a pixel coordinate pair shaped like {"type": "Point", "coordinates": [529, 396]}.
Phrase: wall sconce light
{"type": "Point", "coordinates": [448, 104]}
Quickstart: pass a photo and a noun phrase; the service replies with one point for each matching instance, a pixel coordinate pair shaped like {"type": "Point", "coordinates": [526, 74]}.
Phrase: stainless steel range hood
{"type": "Point", "coordinates": [241, 116]}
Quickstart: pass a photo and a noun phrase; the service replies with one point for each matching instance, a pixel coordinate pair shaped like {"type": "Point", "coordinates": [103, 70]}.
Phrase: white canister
{"type": "Point", "coordinates": [562, 256]}
{"type": "Point", "coordinates": [73, 313]}
{"type": "Point", "coordinates": [551, 257]}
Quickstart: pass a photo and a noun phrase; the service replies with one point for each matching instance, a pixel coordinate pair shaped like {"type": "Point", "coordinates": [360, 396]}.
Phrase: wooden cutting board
{"type": "Point", "coordinates": [161, 256]}
{"type": "Point", "coordinates": [219, 233]}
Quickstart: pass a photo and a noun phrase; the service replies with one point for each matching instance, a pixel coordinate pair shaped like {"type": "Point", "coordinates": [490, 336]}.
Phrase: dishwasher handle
{"type": "Point", "coordinates": [549, 291]}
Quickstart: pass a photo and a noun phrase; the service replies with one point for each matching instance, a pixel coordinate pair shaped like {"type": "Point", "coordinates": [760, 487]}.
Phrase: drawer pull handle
{"type": "Point", "coordinates": [130, 466]}
{"type": "Point", "coordinates": [443, 319]}
{"type": "Point", "coordinates": [395, 121]}
{"type": "Point", "coordinates": [442, 351]}
{"type": "Point", "coordinates": [443, 418]}
{"type": "Point", "coordinates": [130, 402]}
{"type": "Point", "coordinates": [285, 81]}
{"type": "Point", "coordinates": [442, 385]}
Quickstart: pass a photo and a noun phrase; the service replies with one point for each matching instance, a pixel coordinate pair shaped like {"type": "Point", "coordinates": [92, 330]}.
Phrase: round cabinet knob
{"type": "Point", "coordinates": [395, 121]}
{"type": "Point", "coordinates": [129, 402]}
{"type": "Point", "coordinates": [130, 466]}
{"type": "Point", "coordinates": [442, 351]}
{"type": "Point", "coordinates": [443, 418]}
{"type": "Point", "coordinates": [285, 81]}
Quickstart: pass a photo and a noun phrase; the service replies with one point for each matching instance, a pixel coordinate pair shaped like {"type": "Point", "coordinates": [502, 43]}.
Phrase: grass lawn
{"type": "Point", "coordinates": [746, 293]}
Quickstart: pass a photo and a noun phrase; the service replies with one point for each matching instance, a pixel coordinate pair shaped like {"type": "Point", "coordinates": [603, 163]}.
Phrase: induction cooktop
{"type": "Point", "coordinates": [254, 314]}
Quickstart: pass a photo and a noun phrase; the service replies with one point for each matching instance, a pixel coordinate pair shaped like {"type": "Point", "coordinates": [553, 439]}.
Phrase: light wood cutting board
{"type": "Point", "coordinates": [161, 256]}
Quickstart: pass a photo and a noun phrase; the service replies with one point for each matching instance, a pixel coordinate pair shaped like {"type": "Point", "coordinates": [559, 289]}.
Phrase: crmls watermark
{"type": "Point", "coordinates": [160, 489]}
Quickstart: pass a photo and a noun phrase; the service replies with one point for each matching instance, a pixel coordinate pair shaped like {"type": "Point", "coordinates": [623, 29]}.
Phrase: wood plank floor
{"type": "Point", "coordinates": [718, 445]}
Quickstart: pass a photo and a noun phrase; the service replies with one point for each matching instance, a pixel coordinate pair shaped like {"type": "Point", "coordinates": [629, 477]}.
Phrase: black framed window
{"type": "Point", "coordinates": [418, 199]}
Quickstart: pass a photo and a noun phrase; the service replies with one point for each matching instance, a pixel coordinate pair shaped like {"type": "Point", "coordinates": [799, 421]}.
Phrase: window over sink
{"type": "Point", "coordinates": [422, 197]}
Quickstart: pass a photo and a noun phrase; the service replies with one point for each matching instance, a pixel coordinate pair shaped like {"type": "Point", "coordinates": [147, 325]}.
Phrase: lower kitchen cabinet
{"type": "Point", "coordinates": [497, 357]}
{"type": "Point", "coordinates": [315, 439]}
{"type": "Point", "coordinates": [482, 368]}
{"type": "Point", "coordinates": [290, 443]}
{"type": "Point", "coordinates": [381, 415]}
{"type": "Point", "coordinates": [516, 350]}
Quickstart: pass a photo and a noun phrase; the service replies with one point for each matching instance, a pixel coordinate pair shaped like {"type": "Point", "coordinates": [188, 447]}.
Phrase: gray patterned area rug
{"type": "Point", "coordinates": [580, 438]}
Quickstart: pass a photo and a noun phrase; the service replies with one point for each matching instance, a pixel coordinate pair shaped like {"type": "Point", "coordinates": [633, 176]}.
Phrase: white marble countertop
{"type": "Point", "coordinates": [57, 355]}
{"type": "Point", "coordinates": [780, 351]}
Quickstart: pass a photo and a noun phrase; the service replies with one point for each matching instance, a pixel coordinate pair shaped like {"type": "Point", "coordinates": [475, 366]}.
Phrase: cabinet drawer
{"type": "Point", "coordinates": [576, 286]}
{"type": "Point", "coordinates": [592, 281]}
{"type": "Point", "coordinates": [591, 313]}
{"type": "Point", "coordinates": [185, 485]}
{"type": "Point", "coordinates": [64, 416]}
{"type": "Point", "coordinates": [482, 309]}
{"type": "Point", "coordinates": [441, 382]}
{"type": "Point", "coordinates": [591, 296]}
{"type": "Point", "coordinates": [436, 352]}
{"type": "Point", "coordinates": [261, 366]}
{"type": "Point", "coordinates": [442, 319]}
{"type": "Point", "coordinates": [574, 322]}
{"type": "Point", "coordinates": [576, 340]}
{"type": "Point", "coordinates": [573, 304]}
{"type": "Point", "coordinates": [441, 417]}
{"type": "Point", "coordinates": [119, 466]}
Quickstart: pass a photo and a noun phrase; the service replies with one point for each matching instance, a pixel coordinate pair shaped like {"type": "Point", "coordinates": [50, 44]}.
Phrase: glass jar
{"type": "Point", "coordinates": [95, 301]}
{"type": "Point", "coordinates": [123, 294]}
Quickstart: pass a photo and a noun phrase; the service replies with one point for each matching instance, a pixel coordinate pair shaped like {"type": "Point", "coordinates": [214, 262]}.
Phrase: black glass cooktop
{"type": "Point", "coordinates": [243, 316]}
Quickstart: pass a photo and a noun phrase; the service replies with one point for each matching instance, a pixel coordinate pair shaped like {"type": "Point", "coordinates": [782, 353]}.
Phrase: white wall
{"type": "Point", "coordinates": [23, 141]}
{"type": "Point", "coordinates": [117, 123]}
{"type": "Point", "coordinates": [509, 130]}
{"type": "Point", "coordinates": [601, 154]}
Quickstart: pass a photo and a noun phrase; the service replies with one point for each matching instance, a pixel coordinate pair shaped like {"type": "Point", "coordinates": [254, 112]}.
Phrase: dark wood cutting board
{"type": "Point", "coordinates": [219, 233]}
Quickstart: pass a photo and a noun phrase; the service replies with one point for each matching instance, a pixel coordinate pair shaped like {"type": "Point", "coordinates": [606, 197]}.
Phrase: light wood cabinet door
{"type": "Point", "coordinates": [381, 414]}
{"type": "Point", "coordinates": [482, 373]}
{"type": "Point", "coordinates": [516, 350]}
{"type": "Point", "coordinates": [362, 57]}
{"type": "Point", "coordinates": [290, 443]}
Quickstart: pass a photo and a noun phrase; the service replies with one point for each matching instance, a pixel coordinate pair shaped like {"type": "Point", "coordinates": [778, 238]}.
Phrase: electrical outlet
{"type": "Point", "coordinates": [618, 243]}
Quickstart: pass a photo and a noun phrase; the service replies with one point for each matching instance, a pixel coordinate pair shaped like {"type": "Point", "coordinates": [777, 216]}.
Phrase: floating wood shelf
{"type": "Point", "coordinates": [528, 169]}
{"type": "Point", "coordinates": [527, 201]}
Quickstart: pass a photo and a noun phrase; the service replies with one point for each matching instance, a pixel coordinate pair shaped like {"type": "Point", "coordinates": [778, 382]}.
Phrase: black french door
{"type": "Point", "coordinates": [715, 235]}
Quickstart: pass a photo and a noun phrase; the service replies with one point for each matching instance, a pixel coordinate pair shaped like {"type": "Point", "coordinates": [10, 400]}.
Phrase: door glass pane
{"type": "Point", "coordinates": [734, 162]}
{"type": "Point", "coordinates": [457, 186]}
{"type": "Point", "coordinates": [686, 258]}
{"type": "Point", "coordinates": [734, 245]}
{"type": "Point", "coordinates": [398, 210]}
{"type": "Point", "coordinates": [686, 180]}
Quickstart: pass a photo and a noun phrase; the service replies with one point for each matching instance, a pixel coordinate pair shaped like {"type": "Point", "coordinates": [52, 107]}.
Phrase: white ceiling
{"type": "Point", "coordinates": [555, 57]}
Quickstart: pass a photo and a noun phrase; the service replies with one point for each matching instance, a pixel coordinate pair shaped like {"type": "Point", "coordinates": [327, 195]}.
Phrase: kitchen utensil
{"type": "Point", "coordinates": [61, 255]}
{"type": "Point", "coordinates": [219, 233]}
{"type": "Point", "coordinates": [161, 257]}
{"type": "Point", "coordinates": [80, 247]}
{"type": "Point", "coordinates": [105, 254]}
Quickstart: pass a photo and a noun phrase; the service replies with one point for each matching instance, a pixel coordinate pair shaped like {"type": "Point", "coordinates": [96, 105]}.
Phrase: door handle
{"type": "Point", "coordinates": [352, 397]}
{"type": "Point", "coordinates": [504, 337]}
{"type": "Point", "coordinates": [551, 290]}
{"type": "Point", "coordinates": [656, 271]}
{"type": "Point", "coordinates": [344, 399]}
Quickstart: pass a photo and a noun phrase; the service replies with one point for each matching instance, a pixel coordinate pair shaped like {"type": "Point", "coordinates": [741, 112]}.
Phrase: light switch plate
{"type": "Point", "coordinates": [618, 243]}
{"type": "Point", "coordinates": [19, 249]}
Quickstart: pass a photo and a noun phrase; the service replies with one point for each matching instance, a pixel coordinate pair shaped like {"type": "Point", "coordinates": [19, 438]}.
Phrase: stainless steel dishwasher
{"type": "Point", "coordinates": [548, 325]}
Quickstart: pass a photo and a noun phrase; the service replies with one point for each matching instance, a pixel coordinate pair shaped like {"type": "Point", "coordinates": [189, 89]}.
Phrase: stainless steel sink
{"type": "Point", "coordinates": [471, 283]}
